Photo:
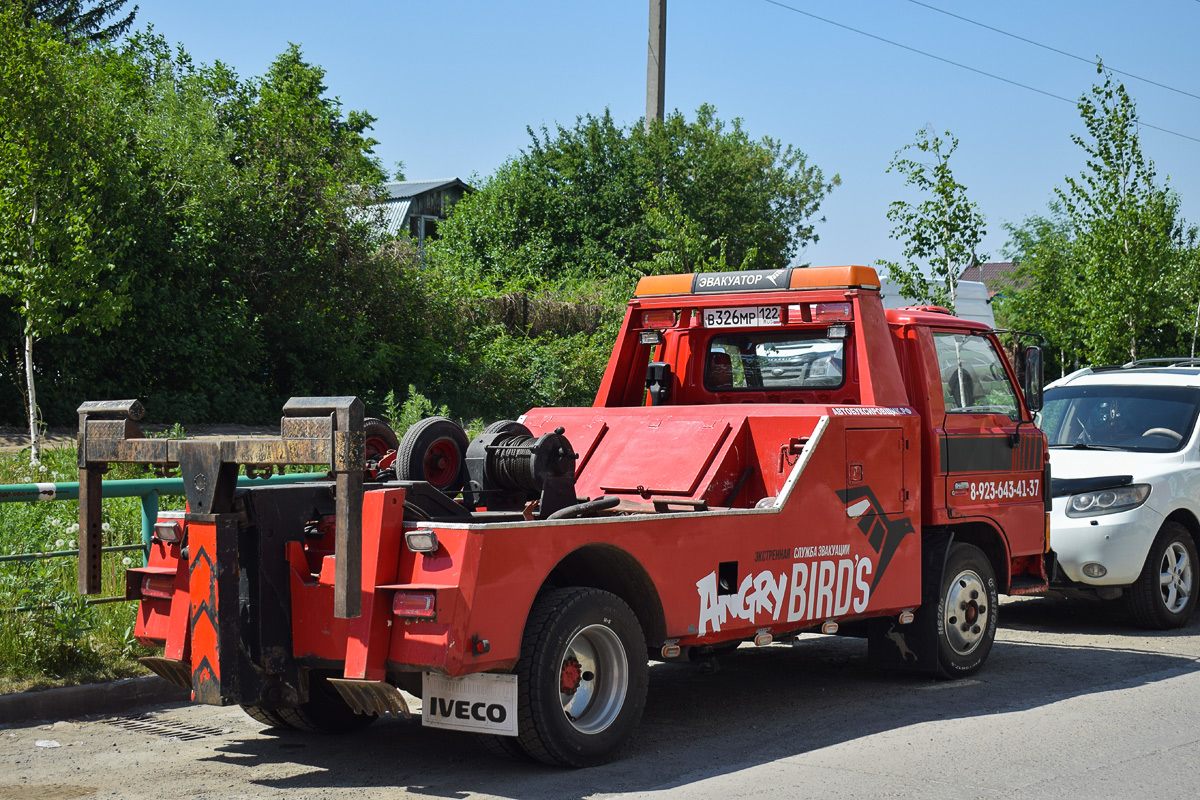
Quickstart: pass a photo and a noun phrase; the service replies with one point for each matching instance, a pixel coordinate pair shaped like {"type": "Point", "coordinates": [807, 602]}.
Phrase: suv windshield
{"type": "Point", "coordinates": [1155, 419]}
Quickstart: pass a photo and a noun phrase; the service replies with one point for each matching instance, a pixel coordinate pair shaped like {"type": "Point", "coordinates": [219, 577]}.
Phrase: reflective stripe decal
{"type": "Point", "coordinates": [990, 453]}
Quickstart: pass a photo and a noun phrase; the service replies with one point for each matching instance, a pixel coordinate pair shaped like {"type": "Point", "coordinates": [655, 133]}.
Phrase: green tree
{"type": "Point", "coordinates": [579, 203]}
{"type": "Point", "coordinates": [539, 261]}
{"type": "Point", "coordinates": [78, 20]}
{"type": "Point", "coordinates": [942, 233]}
{"type": "Point", "coordinates": [62, 166]}
{"type": "Point", "coordinates": [1045, 293]}
{"type": "Point", "coordinates": [1129, 241]}
{"type": "Point", "coordinates": [255, 272]}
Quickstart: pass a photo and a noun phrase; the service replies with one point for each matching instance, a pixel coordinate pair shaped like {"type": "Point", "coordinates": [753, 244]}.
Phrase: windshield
{"type": "Point", "coordinates": [773, 361]}
{"type": "Point", "coordinates": [1155, 419]}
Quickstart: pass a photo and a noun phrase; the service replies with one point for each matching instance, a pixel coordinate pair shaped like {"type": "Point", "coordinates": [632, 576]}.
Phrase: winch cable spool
{"type": "Point", "coordinates": [511, 462]}
{"type": "Point", "coordinates": [511, 467]}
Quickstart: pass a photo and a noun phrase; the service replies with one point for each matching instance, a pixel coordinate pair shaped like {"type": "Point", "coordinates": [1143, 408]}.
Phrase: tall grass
{"type": "Point", "coordinates": [63, 640]}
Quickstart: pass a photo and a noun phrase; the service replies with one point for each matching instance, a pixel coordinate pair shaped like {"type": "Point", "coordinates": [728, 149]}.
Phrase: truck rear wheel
{"type": "Point", "coordinates": [966, 616]}
{"type": "Point", "coordinates": [324, 712]}
{"type": "Point", "coordinates": [581, 678]}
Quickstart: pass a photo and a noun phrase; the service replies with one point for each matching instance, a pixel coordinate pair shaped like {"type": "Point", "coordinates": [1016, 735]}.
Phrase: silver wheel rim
{"type": "Point", "coordinates": [967, 612]}
{"type": "Point", "coordinates": [1175, 578]}
{"type": "Point", "coordinates": [593, 679]}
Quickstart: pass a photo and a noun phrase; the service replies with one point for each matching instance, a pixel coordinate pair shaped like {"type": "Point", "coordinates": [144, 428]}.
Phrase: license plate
{"type": "Point", "coordinates": [481, 703]}
{"type": "Point", "coordinates": [743, 317]}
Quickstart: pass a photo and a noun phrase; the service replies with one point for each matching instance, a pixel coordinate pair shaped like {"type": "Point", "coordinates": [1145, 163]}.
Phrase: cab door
{"type": "Point", "coordinates": [990, 456]}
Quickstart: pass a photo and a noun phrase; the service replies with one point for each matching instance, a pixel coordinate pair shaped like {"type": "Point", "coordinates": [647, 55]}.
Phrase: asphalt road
{"type": "Point", "coordinates": [1073, 702]}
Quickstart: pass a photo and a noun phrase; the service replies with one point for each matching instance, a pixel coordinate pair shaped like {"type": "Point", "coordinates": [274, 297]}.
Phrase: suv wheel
{"type": "Point", "coordinates": [1164, 595]}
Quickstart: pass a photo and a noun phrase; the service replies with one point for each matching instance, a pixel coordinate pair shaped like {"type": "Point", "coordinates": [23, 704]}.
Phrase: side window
{"type": "Point", "coordinates": [973, 376]}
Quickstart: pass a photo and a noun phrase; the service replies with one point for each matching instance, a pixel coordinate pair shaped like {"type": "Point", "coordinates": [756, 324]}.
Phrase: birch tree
{"type": "Point", "coordinates": [60, 156]}
{"type": "Point", "coordinates": [942, 233]}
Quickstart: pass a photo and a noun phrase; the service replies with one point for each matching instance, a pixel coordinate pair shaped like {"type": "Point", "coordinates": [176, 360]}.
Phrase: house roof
{"type": "Point", "coordinates": [403, 190]}
{"type": "Point", "coordinates": [394, 213]}
{"type": "Point", "coordinates": [993, 274]}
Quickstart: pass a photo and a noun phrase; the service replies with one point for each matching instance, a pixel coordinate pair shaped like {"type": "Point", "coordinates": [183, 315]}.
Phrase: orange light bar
{"type": "Point", "coordinates": [664, 284]}
{"type": "Point", "coordinates": [848, 277]}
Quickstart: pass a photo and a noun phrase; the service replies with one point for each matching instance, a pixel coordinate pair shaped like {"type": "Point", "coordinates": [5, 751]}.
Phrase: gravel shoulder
{"type": "Point", "coordinates": [1072, 696]}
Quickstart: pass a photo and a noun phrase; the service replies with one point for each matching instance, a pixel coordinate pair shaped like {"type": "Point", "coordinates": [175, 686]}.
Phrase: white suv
{"type": "Point", "coordinates": [1125, 468]}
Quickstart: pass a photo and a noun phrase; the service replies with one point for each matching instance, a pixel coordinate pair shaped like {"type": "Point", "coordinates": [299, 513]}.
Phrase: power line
{"type": "Point", "coordinates": [993, 76]}
{"type": "Point", "coordinates": [1053, 49]}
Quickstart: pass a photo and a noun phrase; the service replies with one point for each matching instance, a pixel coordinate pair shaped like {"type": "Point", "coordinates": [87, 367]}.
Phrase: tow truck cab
{"type": "Point", "coordinates": [821, 337]}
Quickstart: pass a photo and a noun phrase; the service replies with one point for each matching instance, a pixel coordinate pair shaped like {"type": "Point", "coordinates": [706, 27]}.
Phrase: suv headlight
{"type": "Point", "coordinates": [1107, 501]}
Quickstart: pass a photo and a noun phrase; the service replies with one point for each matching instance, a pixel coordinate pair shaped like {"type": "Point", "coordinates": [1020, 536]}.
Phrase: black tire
{"type": "Point", "coordinates": [966, 615]}
{"type": "Point", "coordinates": [572, 634]}
{"type": "Point", "coordinates": [380, 438]}
{"type": "Point", "coordinates": [503, 747]}
{"type": "Point", "coordinates": [324, 712]}
{"type": "Point", "coordinates": [267, 716]}
{"type": "Point", "coordinates": [434, 450]}
{"type": "Point", "coordinates": [1164, 595]}
{"type": "Point", "coordinates": [507, 426]}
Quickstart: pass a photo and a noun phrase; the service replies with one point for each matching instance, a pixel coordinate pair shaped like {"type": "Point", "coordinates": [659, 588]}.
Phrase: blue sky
{"type": "Point", "coordinates": [454, 83]}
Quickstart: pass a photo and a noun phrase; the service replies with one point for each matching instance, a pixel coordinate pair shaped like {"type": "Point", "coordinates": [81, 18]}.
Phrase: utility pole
{"type": "Point", "coordinates": [656, 62]}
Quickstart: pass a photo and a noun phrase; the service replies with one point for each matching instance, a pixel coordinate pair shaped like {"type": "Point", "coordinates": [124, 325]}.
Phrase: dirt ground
{"type": "Point", "coordinates": [1074, 701]}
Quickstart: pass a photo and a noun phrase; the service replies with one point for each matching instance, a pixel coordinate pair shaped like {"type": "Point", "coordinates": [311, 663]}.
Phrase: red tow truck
{"type": "Point", "coordinates": [770, 453]}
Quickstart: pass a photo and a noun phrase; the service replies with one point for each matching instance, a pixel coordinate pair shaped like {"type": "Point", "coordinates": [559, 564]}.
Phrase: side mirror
{"type": "Point", "coordinates": [1034, 380]}
{"type": "Point", "coordinates": [658, 382]}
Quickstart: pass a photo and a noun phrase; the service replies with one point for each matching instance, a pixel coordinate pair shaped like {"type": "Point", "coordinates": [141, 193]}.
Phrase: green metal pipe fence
{"type": "Point", "coordinates": [148, 489]}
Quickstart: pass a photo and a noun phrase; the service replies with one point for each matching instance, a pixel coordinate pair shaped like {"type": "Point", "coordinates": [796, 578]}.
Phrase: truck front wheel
{"type": "Point", "coordinates": [581, 678]}
{"type": "Point", "coordinates": [966, 616]}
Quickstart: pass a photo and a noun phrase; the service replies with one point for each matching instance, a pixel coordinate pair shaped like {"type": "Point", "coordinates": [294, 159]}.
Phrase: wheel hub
{"type": "Point", "coordinates": [593, 679]}
{"type": "Point", "coordinates": [572, 674]}
{"type": "Point", "coordinates": [1175, 578]}
{"type": "Point", "coordinates": [441, 463]}
{"type": "Point", "coordinates": [966, 612]}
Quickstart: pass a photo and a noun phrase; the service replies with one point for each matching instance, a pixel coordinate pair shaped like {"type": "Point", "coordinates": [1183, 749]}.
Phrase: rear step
{"type": "Point", "coordinates": [1028, 584]}
{"type": "Point", "coordinates": [169, 669]}
{"type": "Point", "coordinates": [371, 697]}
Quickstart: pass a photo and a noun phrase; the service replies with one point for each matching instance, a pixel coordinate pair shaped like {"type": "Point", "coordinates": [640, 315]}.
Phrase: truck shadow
{"type": "Point", "coordinates": [761, 705]}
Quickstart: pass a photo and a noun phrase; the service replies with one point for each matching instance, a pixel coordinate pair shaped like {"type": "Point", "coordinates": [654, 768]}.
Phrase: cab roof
{"type": "Point", "coordinates": [760, 280]}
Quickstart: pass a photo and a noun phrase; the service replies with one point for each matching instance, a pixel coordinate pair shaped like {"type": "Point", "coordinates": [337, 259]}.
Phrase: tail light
{"type": "Point", "coordinates": [419, 605]}
{"type": "Point", "coordinates": [659, 318]}
{"type": "Point", "coordinates": [160, 586]}
{"type": "Point", "coordinates": [830, 312]}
